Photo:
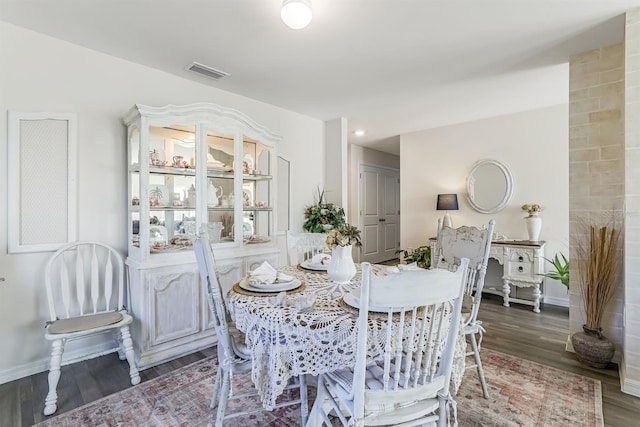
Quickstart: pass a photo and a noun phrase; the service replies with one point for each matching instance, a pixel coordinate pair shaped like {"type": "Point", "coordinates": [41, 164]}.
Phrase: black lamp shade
{"type": "Point", "coordinates": [447, 202]}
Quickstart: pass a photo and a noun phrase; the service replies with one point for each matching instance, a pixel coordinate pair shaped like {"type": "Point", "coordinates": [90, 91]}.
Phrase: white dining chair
{"type": "Point", "coordinates": [303, 246]}
{"type": "Point", "coordinates": [85, 292]}
{"type": "Point", "coordinates": [474, 244]}
{"type": "Point", "coordinates": [233, 355]}
{"type": "Point", "coordinates": [406, 381]}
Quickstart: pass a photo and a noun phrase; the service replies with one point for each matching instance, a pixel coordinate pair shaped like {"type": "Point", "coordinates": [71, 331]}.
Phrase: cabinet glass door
{"type": "Point", "coordinates": [257, 192]}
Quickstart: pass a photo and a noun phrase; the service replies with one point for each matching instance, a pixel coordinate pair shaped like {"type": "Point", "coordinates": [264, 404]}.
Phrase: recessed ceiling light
{"type": "Point", "coordinates": [358, 132]}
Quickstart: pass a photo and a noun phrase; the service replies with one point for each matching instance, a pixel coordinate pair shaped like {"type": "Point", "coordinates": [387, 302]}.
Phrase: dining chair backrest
{"type": "Point", "coordinates": [209, 277]}
{"type": "Point", "coordinates": [303, 246]}
{"type": "Point", "coordinates": [84, 278]}
{"type": "Point", "coordinates": [472, 243]}
{"type": "Point", "coordinates": [417, 358]}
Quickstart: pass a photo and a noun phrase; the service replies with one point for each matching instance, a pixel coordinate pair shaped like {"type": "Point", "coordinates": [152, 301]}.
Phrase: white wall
{"type": "Point", "coordinates": [533, 144]}
{"type": "Point", "coordinates": [39, 73]}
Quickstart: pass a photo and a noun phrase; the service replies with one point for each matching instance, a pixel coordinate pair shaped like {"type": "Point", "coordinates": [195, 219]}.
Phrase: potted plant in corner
{"type": "Point", "coordinates": [420, 255]}
{"type": "Point", "coordinates": [598, 262]}
{"type": "Point", "coordinates": [562, 269]}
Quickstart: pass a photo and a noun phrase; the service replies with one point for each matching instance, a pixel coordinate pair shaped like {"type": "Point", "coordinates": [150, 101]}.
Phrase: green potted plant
{"type": "Point", "coordinates": [562, 269]}
{"type": "Point", "coordinates": [420, 255]}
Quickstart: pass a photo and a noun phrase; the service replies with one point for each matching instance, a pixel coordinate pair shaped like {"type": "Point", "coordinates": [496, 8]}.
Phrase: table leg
{"type": "Point", "coordinates": [536, 299]}
{"type": "Point", "coordinates": [506, 290]}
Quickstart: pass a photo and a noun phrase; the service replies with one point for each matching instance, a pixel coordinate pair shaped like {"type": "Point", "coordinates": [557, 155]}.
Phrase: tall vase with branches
{"type": "Point", "coordinates": [598, 263]}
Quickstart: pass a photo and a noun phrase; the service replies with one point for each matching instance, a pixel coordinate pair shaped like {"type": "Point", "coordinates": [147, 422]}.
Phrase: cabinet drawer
{"type": "Point", "coordinates": [515, 268]}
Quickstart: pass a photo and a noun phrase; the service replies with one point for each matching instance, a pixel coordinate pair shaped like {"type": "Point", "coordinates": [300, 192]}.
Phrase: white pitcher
{"type": "Point", "coordinates": [213, 193]}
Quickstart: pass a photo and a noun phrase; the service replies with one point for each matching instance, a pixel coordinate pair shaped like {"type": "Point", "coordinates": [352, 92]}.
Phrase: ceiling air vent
{"type": "Point", "coordinates": [209, 72]}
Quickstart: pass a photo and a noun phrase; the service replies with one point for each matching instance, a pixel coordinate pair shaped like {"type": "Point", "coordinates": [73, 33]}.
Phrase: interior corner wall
{"type": "Point", "coordinates": [532, 144]}
{"type": "Point", "coordinates": [41, 73]}
{"type": "Point", "coordinates": [335, 177]}
{"type": "Point", "coordinates": [630, 369]}
{"type": "Point", "coordinates": [596, 163]}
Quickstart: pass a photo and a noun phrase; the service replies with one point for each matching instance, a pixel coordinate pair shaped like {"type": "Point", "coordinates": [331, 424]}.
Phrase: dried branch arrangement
{"type": "Point", "coordinates": [598, 261]}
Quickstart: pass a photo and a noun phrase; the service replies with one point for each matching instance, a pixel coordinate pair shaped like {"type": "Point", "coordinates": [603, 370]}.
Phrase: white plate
{"type": "Point", "coordinates": [352, 298]}
{"type": "Point", "coordinates": [274, 287]}
{"type": "Point", "coordinates": [316, 267]}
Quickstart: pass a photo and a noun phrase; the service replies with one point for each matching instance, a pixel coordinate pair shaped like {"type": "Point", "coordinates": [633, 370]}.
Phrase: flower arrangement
{"type": "Point", "coordinates": [343, 235]}
{"type": "Point", "coordinates": [531, 209]}
{"type": "Point", "coordinates": [322, 216]}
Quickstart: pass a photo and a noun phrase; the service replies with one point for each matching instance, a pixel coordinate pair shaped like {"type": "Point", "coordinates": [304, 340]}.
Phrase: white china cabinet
{"type": "Point", "coordinates": [188, 165]}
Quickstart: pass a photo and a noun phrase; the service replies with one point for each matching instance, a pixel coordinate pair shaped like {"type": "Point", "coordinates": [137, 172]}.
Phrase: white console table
{"type": "Point", "coordinates": [522, 262]}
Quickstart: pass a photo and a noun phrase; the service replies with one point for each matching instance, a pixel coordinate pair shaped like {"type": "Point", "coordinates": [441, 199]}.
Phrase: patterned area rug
{"type": "Point", "coordinates": [522, 393]}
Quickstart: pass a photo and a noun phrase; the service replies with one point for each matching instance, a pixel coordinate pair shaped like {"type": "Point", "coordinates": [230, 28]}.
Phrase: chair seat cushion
{"type": "Point", "coordinates": [239, 342]}
{"type": "Point", "coordinates": [84, 323]}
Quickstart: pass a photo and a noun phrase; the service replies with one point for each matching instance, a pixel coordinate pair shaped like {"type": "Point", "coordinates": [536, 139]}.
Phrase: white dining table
{"type": "Point", "coordinates": [286, 341]}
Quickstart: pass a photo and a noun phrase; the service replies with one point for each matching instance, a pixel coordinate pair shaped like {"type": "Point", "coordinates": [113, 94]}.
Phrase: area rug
{"type": "Point", "coordinates": [523, 393]}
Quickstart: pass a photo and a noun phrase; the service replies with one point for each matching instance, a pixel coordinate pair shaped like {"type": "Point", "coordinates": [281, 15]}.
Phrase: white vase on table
{"type": "Point", "coordinates": [534, 225]}
{"type": "Point", "coordinates": [341, 268]}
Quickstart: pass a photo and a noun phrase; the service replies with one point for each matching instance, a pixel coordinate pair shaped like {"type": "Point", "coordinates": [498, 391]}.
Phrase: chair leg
{"type": "Point", "coordinates": [121, 354]}
{"type": "Point", "coordinates": [223, 398]}
{"type": "Point", "coordinates": [476, 356]}
{"type": "Point", "coordinates": [50, 403]}
{"type": "Point", "coordinates": [130, 354]}
{"type": "Point", "coordinates": [304, 401]}
{"type": "Point", "coordinates": [216, 388]}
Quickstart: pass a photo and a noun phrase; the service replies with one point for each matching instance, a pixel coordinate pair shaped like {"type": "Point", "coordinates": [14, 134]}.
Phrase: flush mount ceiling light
{"type": "Point", "coordinates": [296, 14]}
{"type": "Point", "coordinates": [358, 132]}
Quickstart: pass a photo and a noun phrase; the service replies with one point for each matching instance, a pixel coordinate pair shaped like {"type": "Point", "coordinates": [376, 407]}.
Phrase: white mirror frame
{"type": "Point", "coordinates": [508, 192]}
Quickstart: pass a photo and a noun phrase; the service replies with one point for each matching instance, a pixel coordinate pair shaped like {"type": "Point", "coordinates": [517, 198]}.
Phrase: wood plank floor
{"type": "Point", "coordinates": [515, 330]}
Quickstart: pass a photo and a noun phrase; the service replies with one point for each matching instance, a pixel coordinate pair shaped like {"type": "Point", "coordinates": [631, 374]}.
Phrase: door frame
{"type": "Point", "coordinates": [361, 195]}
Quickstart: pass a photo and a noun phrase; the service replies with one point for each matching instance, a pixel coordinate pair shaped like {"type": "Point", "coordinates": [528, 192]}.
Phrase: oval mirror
{"type": "Point", "coordinates": [489, 186]}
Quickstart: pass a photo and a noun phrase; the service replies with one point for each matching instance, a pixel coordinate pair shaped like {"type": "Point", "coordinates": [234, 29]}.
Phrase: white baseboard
{"type": "Point", "coordinates": [627, 385]}
{"type": "Point", "coordinates": [562, 302]}
{"type": "Point", "coordinates": [42, 365]}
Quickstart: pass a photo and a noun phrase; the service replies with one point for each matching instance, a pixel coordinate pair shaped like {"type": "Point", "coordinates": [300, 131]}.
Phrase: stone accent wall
{"type": "Point", "coordinates": [596, 163]}
{"type": "Point", "coordinates": [631, 353]}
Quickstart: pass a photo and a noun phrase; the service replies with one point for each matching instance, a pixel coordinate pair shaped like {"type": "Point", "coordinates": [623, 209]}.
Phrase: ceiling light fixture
{"type": "Point", "coordinates": [358, 132]}
{"type": "Point", "coordinates": [296, 14]}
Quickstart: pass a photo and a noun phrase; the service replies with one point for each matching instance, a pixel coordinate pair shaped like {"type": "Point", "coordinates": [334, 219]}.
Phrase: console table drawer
{"type": "Point", "coordinates": [515, 268]}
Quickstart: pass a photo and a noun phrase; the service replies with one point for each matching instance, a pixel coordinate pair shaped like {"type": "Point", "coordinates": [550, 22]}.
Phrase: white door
{"type": "Point", "coordinates": [379, 213]}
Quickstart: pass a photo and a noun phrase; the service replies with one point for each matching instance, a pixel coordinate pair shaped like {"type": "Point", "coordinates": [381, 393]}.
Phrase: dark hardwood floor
{"type": "Point", "coordinates": [515, 330]}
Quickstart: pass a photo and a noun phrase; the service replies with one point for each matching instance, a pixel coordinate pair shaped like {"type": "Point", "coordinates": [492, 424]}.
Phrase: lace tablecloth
{"type": "Point", "coordinates": [286, 342]}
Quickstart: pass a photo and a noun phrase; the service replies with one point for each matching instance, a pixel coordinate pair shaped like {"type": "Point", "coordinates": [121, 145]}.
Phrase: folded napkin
{"type": "Point", "coordinates": [409, 267]}
{"type": "Point", "coordinates": [263, 275]}
{"type": "Point", "coordinates": [321, 259]}
{"type": "Point", "coordinates": [267, 275]}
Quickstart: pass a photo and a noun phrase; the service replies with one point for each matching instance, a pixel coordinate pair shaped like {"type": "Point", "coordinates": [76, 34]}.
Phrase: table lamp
{"type": "Point", "coordinates": [447, 202]}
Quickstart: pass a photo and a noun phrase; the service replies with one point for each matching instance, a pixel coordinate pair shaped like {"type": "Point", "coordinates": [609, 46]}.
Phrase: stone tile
{"type": "Point", "coordinates": [606, 63]}
{"type": "Point", "coordinates": [579, 94]}
{"type": "Point", "coordinates": [612, 152]}
{"type": "Point", "coordinates": [579, 119]}
{"type": "Point", "coordinates": [632, 78]}
{"type": "Point", "coordinates": [583, 130]}
{"type": "Point", "coordinates": [606, 89]}
{"type": "Point", "coordinates": [610, 102]}
{"type": "Point", "coordinates": [586, 105]}
{"type": "Point", "coordinates": [615, 75]}
{"type": "Point", "coordinates": [605, 116]}
{"type": "Point", "coordinates": [607, 190]}
{"type": "Point", "coordinates": [583, 155]}
{"type": "Point", "coordinates": [585, 57]}
{"type": "Point", "coordinates": [606, 165]}
{"type": "Point", "coordinates": [578, 168]}
{"type": "Point", "coordinates": [612, 177]}
{"type": "Point", "coordinates": [583, 80]}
